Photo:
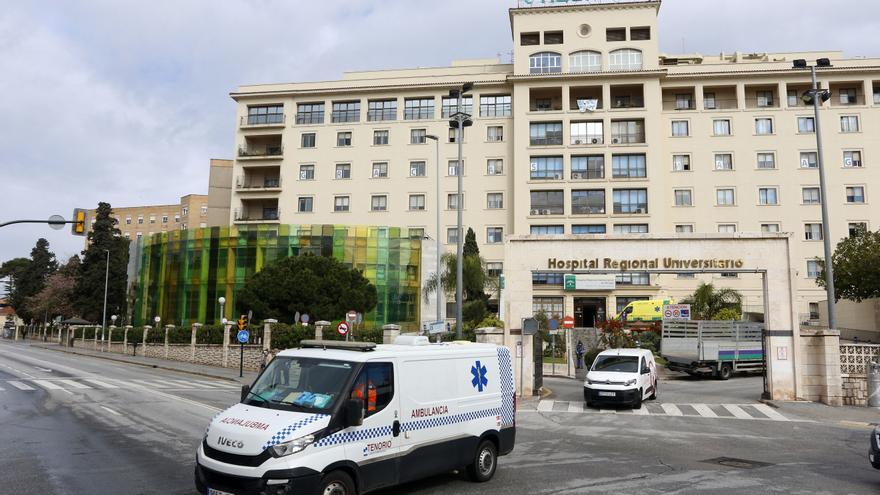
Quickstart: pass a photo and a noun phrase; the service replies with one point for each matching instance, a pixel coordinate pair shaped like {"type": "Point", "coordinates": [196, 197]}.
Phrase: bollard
{"type": "Point", "coordinates": [874, 385]}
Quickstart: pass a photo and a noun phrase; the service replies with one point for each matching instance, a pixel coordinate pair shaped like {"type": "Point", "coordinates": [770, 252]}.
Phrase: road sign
{"type": "Point", "coordinates": [436, 327]}
{"type": "Point", "coordinates": [553, 324]}
{"type": "Point", "coordinates": [305, 319]}
{"type": "Point", "coordinates": [242, 322]}
{"type": "Point", "coordinates": [351, 316]}
{"type": "Point", "coordinates": [342, 328]}
{"type": "Point", "coordinates": [568, 322]}
{"type": "Point", "coordinates": [529, 326]}
{"type": "Point", "coordinates": [676, 312]}
{"type": "Point", "coordinates": [243, 336]}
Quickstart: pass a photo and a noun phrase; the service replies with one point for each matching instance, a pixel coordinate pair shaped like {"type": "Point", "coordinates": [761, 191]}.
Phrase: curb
{"type": "Point", "coordinates": [145, 365]}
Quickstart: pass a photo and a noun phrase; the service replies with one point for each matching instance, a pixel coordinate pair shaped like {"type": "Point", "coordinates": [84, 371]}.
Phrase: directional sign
{"type": "Point", "coordinates": [342, 328]}
{"type": "Point", "coordinates": [568, 322]}
{"type": "Point", "coordinates": [436, 327]}
{"type": "Point", "coordinates": [243, 336]}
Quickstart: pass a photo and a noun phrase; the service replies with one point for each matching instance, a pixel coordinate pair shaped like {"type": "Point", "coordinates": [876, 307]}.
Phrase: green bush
{"type": "Point", "coordinates": [590, 356]}
{"type": "Point", "coordinates": [491, 321]}
{"type": "Point", "coordinates": [210, 334]}
{"type": "Point", "coordinates": [650, 340]}
{"type": "Point", "coordinates": [727, 314]}
{"type": "Point", "coordinates": [474, 311]}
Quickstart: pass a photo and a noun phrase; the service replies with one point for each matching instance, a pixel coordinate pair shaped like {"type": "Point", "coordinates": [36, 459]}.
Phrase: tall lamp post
{"type": "Point", "coordinates": [816, 97]}
{"type": "Point", "coordinates": [222, 301]}
{"type": "Point", "coordinates": [106, 281]}
{"type": "Point", "coordinates": [436, 140]}
{"type": "Point", "coordinates": [458, 121]}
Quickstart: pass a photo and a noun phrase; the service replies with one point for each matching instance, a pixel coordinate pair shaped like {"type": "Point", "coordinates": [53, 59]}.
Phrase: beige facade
{"type": "Point", "coordinates": [219, 192]}
{"type": "Point", "coordinates": [137, 221]}
{"type": "Point", "coordinates": [591, 130]}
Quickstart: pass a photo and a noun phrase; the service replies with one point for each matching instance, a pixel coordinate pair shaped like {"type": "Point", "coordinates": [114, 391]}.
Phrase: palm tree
{"type": "Point", "coordinates": [706, 302]}
{"type": "Point", "coordinates": [475, 279]}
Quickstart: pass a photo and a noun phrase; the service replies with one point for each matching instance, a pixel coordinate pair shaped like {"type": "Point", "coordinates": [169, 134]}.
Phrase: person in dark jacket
{"type": "Point", "coordinates": [579, 351]}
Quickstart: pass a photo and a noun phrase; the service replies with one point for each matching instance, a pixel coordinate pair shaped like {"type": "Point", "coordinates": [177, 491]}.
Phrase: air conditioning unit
{"type": "Point", "coordinates": [578, 141]}
{"type": "Point", "coordinates": [577, 175]}
{"type": "Point", "coordinates": [545, 212]}
{"type": "Point", "coordinates": [595, 140]}
{"type": "Point", "coordinates": [642, 211]}
{"type": "Point", "coordinates": [535, 212]}
{"type": "Point", "coordinates": [615, 140]}
{"type": "Point", "coordinates": [557, 176]}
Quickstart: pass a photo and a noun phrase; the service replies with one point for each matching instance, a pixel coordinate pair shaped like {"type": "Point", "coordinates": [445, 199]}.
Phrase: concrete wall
{"type": "Point", "coordinates": [219, 192]}
{"type": "Point", "coordinates": [851, 315]}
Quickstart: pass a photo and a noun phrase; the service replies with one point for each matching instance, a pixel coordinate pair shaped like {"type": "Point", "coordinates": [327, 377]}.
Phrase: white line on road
{"type": "Point", "coordinates": [48, 385]}
{"type": "Point", "coordinates": [100, 383]}
{"type": "Point", "coordinates": [704, 410]}
{"type": "Point", "coordinates": [74, 384]}
{"type": "Point", "coordinates": [153, 383]}
{"type": "Point", "coordinates": [671, 410]}
{"type": "Point", "coordinates": [769, 412]}
{"type": "Point", "coordinates": [608, 411]}
{"type": "Point", "coordinates": [545, 405]}
{"type": "Point", "coordinates": [111, 411]}
{"type": "Point", "coordinates": [217, 384]}
{"type": "Point", "coordinates": [574, 407]}
{"type": "Point", "coordinates": [20, 386]}
{"type": "Point", "coordinates": [44, 370]}
{"type": "Point", "coordinates": [642, 412]}
{"type": "Point", "coordinates": [737, 411]}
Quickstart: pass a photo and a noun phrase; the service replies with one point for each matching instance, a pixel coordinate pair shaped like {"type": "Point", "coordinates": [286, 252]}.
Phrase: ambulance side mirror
{"type": "Point", "coordinates": [245, 390]}
{"type": "Point", "coordinates": [353, 414]}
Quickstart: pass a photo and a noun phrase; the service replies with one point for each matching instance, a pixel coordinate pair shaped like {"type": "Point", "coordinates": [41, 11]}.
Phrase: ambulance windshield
{"type": "Point", "coordinates": [300, 384]}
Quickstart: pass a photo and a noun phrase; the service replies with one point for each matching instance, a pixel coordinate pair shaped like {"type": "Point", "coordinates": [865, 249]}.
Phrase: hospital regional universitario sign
{"type": "Point", "coordinates": [550, 3]}
{"type": "Point", "coordinates": [644, 264]}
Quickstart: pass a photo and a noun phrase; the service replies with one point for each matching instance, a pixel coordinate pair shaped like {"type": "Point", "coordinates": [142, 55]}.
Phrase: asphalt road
{"type": "Point", "coordinates": [59, 438]}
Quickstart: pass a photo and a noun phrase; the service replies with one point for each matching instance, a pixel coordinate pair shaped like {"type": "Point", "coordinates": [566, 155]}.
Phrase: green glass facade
{"type": "Point", "coordinates": [179, 275]}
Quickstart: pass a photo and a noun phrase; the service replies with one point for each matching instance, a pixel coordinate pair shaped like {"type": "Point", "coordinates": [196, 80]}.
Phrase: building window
{"type": "Point", "coordinates": [495, 201]}
{"type": "Point", "coordinates": [494, 269]}
{"type": "Point", "coordinates": [270, 114]}
{"type": "Point", "coordinates": [547, 202]}
{"type": "Point", "coordinates": [848, 96]}
{"type": "Point", "coordinates": [416, 233]}
{"type": "Point", "coordinates": [633, 279]}
{"type": "Point", "coordinates": [812, 272]}
{"type": "Point", "coordinates": [723, 161]}
{"type": "Point", "coordinates": [552, 307]}
{"type": "Point", "coordinates": [769, 228]}
{"type": "Point", "coordinates": [855, 194]}
{"type": "Point", "coordinates": [346, 111]}
{"type": "Point", "coordinates": [176, 219]}
{"type": "Point", "coordinates": [546, 168]}
{"type": "Point", "coordinates": [343, 139]}
{"type": "Point", "coordinates": [379, 203]}
{"type": "Point", "coordinates": [724, 197]}
{"type": "Point", "coordinates": [449, 106]}
{"type": "Point", "coordinates": [495, 106]}
{"type": "Point", "coordinates": [495, 133]}
{"type": "Point", "coordinates": [417, 169]}
{"type": "Point", "coordinates": [586, 132]}
{"type": "Point", "coordinates": [640, 33]}
{"type": "Point", "coordinates": [811, 195]}
{"type": "Point", "coordinates": [545, 63]}
{"type": "Point", "coordinates": [529, 39]}
{"type": "Point", "coordinates": [588, 167]}
{"type": "Point", "coordinates": [615, 34]}
{"type": "Point", "coordinates": [852, 159]}
{"type": "Point", "coordinates": [630, 228]}
{"type": "Point", "coordinates": [630, 201]}
{"type": "Point", "coordinates": [812, 231]}
{"type": "Point", "coordinates": [684, 197]}
{"type": "Point", "coordinates": [806, 125]}
{"type": "Point", "coordinates": [418, 136]}
{"type": "Point", "coordinates": [763, 126]}
{"type": "Point", "coordinates": [418, 108]}
{"type": "Point", "coordinates": [588, 229]}
{"type": "Point", "coordinates": [681, 163]}
{"type": "Point", "coordinates": [684, 101]}
{"type": "Point", "coordinates": [306, 172]}
{"type": "Point", "coordinates": [417, 202]}
{"type": "Point", "coordinates": [588, 202]}
{"type": "Point", "coordinates": [310, 113]}
{"type": "Point", "coordinates": [857, 228]}
{"type": "Point", "coordinates": [721, 127]}
{"type": "Point", "coordinates": [628, 166]}
{"type": "Point", "coordinates": [546, 229]}
{"type": "Point", "coordinates": [495, 166]}
{"type": "Point", "coordinates": [727, 228]}
{"type": "Point", "coordinates": [305, 204]}
{"type": "Point", "coordinates": [452, 201]}
{"type": "Point", "coordinates": [627, 131]}
{"type": "Point", "coordinates": [585, 61]}
{"type": "Point", "coordinates": [152, 218]}
{"type": "Point", "coordinates": [625, 59]}
{"type": "Point", "coordinates": [768, 196]}
{"type": "Point", "coordinates": [140, 234]}
{"type": "Point", "coordinates": [494, 235]}
{"type": "Point", "coordinates": [184, 211]}
{"type": "Point", "coordinates": [164, 218]}
{"type": "Point", "coordinates": [452, 235]}
{"type": "Point", "coordinates": [849, 123]}
{"type": "Point", "coordinates": [452, 168]}
{"type": "Point", "coordinates": [680, 128]}
{"type": "Point", "coordinates": [380, 170]}
{"type": "Point", "coordinates": [684, 229]}
{"type": "Point", "coordinates": [341, 203]}
{"type": "Point", "coordinates": [764, 98]}
{"type": "Point", "coordinates": [380, 138]}
{"type": "Point", "coordinates": [307, 140]}
{"type": "Point", "coordinates": [553, 37]}
{"type": "Point", "coordinates": [379, 110]}
{"type": "Point", "coordinates": [809, 159]}
{"type": "Point", "coordinates": [766, 160]}
{"type": "Point", "coordinates": [343, 171]}
{"type": "Point", "coordinates": [127, 235]}
{"type": "Point", "coordinates": [127, 220]}
{"type": "Point", "coordinates": [545, 134]}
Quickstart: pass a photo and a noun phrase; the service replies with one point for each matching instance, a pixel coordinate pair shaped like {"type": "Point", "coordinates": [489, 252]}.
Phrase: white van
{"type": "Point", "coordinates": [351, 417]}
{"type": "Point", "coordinates": [622, 376]}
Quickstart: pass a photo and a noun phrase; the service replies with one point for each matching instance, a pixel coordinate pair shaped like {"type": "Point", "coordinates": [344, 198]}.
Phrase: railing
{"type": "Point", "coordinates": [263, 216]}
{"type": "Point", "coordinates": [262, 120]}
{"type": "Point", "coordinates": [679, 105]}
{"type": "Point", "coordinates": [632, 103]}
{"type": "Point", "coordinates": [549, 140]}
{"type": "Point", "coordinates": [587, 174]}
{"type": "Point", "coordinates": [762, 103]}
{"type": "Point", "coordinates": [278, 150]}
{"type": "Point", "coordinates": [628, 138]}
{"type": "Point", "coordinates": [854, 358]}
{"type": "Point", "coordinates": [378, 115]}
{"type": "Point", "coordinates": [587, 210]}
{"type": "Point", "coordinates": [310, 118]}
{"type": "Point", "coordinates": [266, 183]}
{"type": "Point", "coordinates": [345, 116]}
{"type": "Point", "coordinates": [587, 139]}
{"type": "Point", "coordinates": [720, 104]}
{"type": "Point", "coordinates": [418, 113]}
{"type": "Point", "coordinates": [838, 100]}
{"type": "Point", "coordinates": [548, 210]}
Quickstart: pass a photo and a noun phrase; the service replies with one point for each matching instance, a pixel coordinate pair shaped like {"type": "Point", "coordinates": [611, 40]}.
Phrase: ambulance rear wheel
{"type": "Point", "coordinates": [337, 483]}
{"type": "Point", "coordinates": [485, 462]}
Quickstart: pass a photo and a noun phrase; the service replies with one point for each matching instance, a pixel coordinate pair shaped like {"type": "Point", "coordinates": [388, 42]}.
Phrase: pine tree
{"type": "Point", "coordinates": [29, 276]}
{"type": "Point", "coordinates": [88, 291]}
{"type": "Point", "coordinates": [470, 247]}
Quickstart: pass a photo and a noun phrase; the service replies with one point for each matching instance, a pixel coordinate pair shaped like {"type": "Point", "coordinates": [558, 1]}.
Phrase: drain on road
{"type": "Point", "coordinates": [737, 463]}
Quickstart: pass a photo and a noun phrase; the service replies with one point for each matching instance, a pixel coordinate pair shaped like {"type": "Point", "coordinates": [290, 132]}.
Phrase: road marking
{"type": "Point", "coordinates": [642, 412]}
{"type": "Point", "coordinates": [20, 386]}
{"type": "Point", "coordinates": [704, 410]}
{"type": "Point", "coordinates": [100, 383]}
{"type": "Point", "coordinates": [545, 405]}
{"type": "Point", "coordinates": [217, 384]}
{"type": "Point", "coordinates": [574, 407]}
{"type": "Point", "coordinates": [111, 411]}
{"type": "Point", "coordinates": [74, 384]}
{"type": "Point", "coordinates": [671, 410]}
{"type": "Point", "coordinates": [737, 411]}
{"type": "Point", "coordinates": [44, 370]}
{"type": "Point", "coordinates": [608, 411]}
{"type": "Point", "coordinates": [769, 412]}
{"type": "Point", "coordinates": [47, 385]}
{"type": "Point", "coordinates": [153, 383]}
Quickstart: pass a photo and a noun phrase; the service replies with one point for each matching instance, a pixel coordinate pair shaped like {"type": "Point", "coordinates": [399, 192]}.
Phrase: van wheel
{"type": "Point", "coordinates": [725, 372]}
{"type": "Point", "coordinates": [637, 404]}
{"type": "Point", "coordinates": [337, 483]}
{"type": "Point", "coordinates": [485, 462]}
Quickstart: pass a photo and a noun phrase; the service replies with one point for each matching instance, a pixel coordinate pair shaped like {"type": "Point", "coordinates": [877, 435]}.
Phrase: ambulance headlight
{"type": "Point", "coordinates": [630, 383]}
{"type": "Point", "coordinates": [293, 446]}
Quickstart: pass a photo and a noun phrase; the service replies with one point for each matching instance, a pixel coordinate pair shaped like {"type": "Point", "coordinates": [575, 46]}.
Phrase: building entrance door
{"type": "Point", "coordinates": [588, 310]}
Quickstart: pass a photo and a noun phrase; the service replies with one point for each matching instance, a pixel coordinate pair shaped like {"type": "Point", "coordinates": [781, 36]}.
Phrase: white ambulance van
{"type": "Point", "coordinates": [352, 417]}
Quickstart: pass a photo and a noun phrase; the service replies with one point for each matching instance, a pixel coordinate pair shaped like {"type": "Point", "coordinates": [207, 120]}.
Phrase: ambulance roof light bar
{"type": "Point", "coordinates": [338, 345]}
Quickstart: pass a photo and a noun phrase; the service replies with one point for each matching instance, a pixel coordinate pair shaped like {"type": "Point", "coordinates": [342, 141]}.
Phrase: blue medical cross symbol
{"type": "Point", "coordinates": [479, 381]}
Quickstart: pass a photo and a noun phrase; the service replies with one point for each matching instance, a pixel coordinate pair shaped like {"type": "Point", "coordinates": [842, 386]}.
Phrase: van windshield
{"type": "Point", "coordinates": [619, 364]}
{"type": "Point", "coordinates": [300, 384]}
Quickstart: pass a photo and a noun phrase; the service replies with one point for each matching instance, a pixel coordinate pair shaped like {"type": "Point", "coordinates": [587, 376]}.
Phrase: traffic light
{"type": "Point", "coordinates": [242, 322]}
{"type": "Point", "coordinates": [79, 222]}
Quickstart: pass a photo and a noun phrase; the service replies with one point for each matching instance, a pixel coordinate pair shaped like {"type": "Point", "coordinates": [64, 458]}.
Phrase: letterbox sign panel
{"type": "Point", "coordinates": [551, 3]}
{"type": "Point", "coordinates": [580, 282]}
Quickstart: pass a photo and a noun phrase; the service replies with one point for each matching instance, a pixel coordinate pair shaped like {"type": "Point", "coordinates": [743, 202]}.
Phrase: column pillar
{"type": "Point", "coordinates": [226, 328]}
{"type": "Point", "coordinates": [126, 328]}
{"type": "Point", "coordinates": [192, 341]}
{"type": "Point", "coordinates": [267, 333]}
{"type": "Point", "coordinates": [319, 329]}
{"type": "Point", "coordinates": [389, 333]}
{"type": "Point", "coordinates": [167, 330]}
{"type": "Point", "coordinates": [147, 329]}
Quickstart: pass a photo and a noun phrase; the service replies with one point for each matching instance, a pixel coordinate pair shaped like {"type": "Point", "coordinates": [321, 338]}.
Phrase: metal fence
{"type": "Point", "coordinates": [739, 330]}
{"type": "Point", "coordinates": [854, 358]}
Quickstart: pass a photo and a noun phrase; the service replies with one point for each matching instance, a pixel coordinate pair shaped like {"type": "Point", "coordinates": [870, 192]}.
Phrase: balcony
{"type": "Point", "coordinates": [255, 183]}
{"type": "Point", "coordinates": [261, 211]}
{"type": "Point", "coordinates": [628, 131]}
{"type": "Point", "coordinates": [719, 98]}
{"type": "Point", "coordinates": [761, 97]}
{"type": "Point", "coordinates": [545, 99]}
{"type": "Point", "coordinates": [847, 94]}
{"type": "Point", "coordinates": [679, 99]}
{"type": "Point", "coordinates": [261, 147]}
{"type": "Point", "coordinates": [585, 98]}
{"type": "Point", "coordinates": [627, 97]}
{"type": "Point", "coordinates": [262, 121]}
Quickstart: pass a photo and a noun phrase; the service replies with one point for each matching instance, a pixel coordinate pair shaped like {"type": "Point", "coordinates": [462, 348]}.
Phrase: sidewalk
{"type": "Point", "coordinates": [230, 374]}
{"type": "Point", "coordinates": [845, 416]}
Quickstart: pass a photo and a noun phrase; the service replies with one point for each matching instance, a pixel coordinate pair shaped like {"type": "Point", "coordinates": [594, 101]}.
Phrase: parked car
{"type": "Point", "coordinates": [874, 453]}
{"type": "Point", "coordinates": [622, 376]}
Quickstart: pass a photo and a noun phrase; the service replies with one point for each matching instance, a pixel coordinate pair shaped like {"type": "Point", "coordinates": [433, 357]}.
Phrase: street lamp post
{"type": "Point", "coordinates": [106, 281]}
{"type": "Point", "coordinates": [459, 121]}
{"type": "Point", "coordinates": [222, 301]}
{"type": "Point", "coordinates": [436, 140]}
{"type": "Point", "coordinates": [818, 96]}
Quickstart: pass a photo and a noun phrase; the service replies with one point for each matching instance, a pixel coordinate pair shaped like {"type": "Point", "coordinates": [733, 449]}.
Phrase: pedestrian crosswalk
{"type": "Point", "coordinates": [81, 384]}
{"type": "Point", "coordinates": [755, 411]}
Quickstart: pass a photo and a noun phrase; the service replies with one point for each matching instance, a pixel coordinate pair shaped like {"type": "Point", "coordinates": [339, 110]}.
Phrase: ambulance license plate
{"type": "Point", "coordinates": [212, 491]}
{"type": "Point", "coordinates": [607, 394]}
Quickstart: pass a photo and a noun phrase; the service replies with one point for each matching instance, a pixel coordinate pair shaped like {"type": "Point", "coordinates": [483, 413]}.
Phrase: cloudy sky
{"type": "Point", "coordinates": [125, 101]}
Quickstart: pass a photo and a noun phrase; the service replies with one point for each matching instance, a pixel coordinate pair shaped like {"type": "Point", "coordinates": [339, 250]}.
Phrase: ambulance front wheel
{"type": "Point", "coordinates": [337, 483]}
{"type": "Point", "coordinates": [485, 462]}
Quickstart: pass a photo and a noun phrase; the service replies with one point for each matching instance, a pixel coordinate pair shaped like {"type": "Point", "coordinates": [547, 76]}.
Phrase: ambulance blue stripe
{"type": "Point", "coordinates": [287, 432]}
{"type": "Point", "coordinates": [507, 388]}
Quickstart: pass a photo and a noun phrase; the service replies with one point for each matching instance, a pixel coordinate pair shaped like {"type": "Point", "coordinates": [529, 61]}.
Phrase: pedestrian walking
{"type": "Point", "coordinates": [579, 350]}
